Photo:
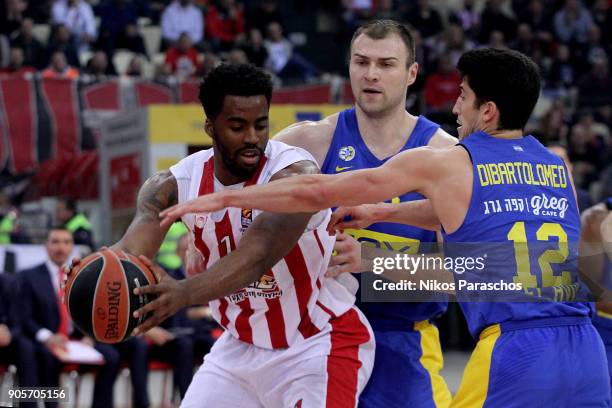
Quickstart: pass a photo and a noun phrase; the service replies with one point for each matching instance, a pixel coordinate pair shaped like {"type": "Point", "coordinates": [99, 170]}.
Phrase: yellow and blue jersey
{"type": "Point", "coordinates": [524, 221]}
{"type": "Point", "coordinates": [349, 152]}
{"type": "Point", "coordinates": [408, 354]}
{"type": "Point", "coordinates": [522, 199]}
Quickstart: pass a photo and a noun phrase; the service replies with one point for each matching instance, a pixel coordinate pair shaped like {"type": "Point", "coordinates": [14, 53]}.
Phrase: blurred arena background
{"type": "Point", "coordinates": [96, 95]}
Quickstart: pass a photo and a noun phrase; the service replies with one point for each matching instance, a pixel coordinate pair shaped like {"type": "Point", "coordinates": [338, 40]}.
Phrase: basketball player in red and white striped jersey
{"type": "Point", "coordinates": [293, 337]}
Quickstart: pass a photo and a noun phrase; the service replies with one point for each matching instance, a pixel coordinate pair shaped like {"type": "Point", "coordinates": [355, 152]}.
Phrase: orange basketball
{"type": "Point", "coordinates": [99, 295]}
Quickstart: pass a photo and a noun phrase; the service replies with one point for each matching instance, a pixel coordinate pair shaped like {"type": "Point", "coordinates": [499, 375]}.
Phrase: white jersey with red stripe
{"type": "Point", "coordinates": [293, 300]}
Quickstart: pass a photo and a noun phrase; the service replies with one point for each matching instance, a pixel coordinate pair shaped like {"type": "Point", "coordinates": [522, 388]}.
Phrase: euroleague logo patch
{"type": "Point", "coordinates": [346, 153]}
{"type": "Point", "coordinates": [246, 218]}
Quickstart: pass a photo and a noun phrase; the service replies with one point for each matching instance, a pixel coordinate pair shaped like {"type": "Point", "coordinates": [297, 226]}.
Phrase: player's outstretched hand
{"type": "Point", "coordinates": [347, 256]}
{"type": "Point", "coordinates": [203, 204]}
{"type": "Point", "coordinates": [362, 216]}
{"type": "Point", "coordinates": [171, 296]}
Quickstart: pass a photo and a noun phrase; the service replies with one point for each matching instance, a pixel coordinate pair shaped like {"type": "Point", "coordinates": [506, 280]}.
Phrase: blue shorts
{"type": "Point", "coordinates": [603, 324]}
{"type": "Point", "coordinates": [553, 362]}
{"type": "Point", "coordinates": [406, 370]}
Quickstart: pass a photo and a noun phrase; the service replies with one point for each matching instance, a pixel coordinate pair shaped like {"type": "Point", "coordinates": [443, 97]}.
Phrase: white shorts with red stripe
{"type": "Point", "coordinates": [329, 369]}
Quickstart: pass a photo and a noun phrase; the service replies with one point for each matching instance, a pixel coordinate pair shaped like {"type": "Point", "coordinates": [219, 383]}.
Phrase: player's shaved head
{"type": "Point", "coordinates": [380, 29]}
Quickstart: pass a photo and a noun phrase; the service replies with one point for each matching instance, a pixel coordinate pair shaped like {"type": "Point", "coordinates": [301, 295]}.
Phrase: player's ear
{"type": "Point", "coordinates": [489, 111]}
{"type": "Point", "coordinates": [413, 71]}
{"type": "Point", "coordinates": [208, 128]}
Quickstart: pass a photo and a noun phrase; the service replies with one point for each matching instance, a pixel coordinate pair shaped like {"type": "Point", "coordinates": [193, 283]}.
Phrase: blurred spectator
{"type": "Point", "coordinates": [119, 27]}
{"type": "Point", "coordinates": [385, 10]}
{"type": "Point", "coordinates": [66, 211]}
{"type": "Point", "coordinates": [224, 24]}
{"type": "Point", "coordinates": [78, 17]}
{"type": "Point", "coordinates": [590, 51]}
{"type": "Point", "coordinates": [582, 196]}
{"type": "Point", "coordinates": [539, 20]}
{"type": "Point", "coordinates": [16, 66]}
{"type": "Point", "coordinates": [602, 16]}
{"type": "Point", "coordinates": [182, 59]}
{"type": "Point", "coordinates": [562, 73]}
{"type": "Point", "coordinates": [282, 61]}
{"type": "Point", "coordinates": [441, 91]}
{"type": "Point", "coordinates": [135, 68]}
{"type": "Point", "coordinates": [15, 348]}
{"type": "Point", "coordinates": [4, 50]}
{"type": "Point", "coordinates": [497, 40]}
{"type": "Point", "coordinates": [467, 18]}
{"type": "Point", "coordinates": [525, 41]}
{"type": "Point", "coordinates": [552, 128]}
{"type": "Point", "coordinates": [176, 349]}
{"type": "Point", "coordinates": [493, 18]}
{"type": "Point", "coordinates": [453, 44]}
{"type": "Point", "coordinates": [11, 15]}
{"type": "Point", "coordinates": [211, 60]}
{"type": "Point", "coordinates": [39, 11]}
{"type": "Point", "coordinates": [63, 40]}
{"type": "Point", "coordinates": [8, 215]}
{"type": "Point", "coordinates": [255, 49]}
{"type": "Point", "coordinates": [33, 51]}
{"type": "Point", "coordinates": [355, 12]}
{"type": "Point", "coordinates": [588, 148]}
{"type": "Point", "coordinates": [237, 56]}
{"type": "Point", "coordinates": [47, 323]}
{"type": "Point", "coordinates": [572, 22]}
{"type": "Point", "coordinates": [59, 68]}
{"type": "Point", "coordinates": [595, 88]}
{"type": "Point", "coordinates": [99, 68]}
{"type": "Point", "coordinates": [182, 17]}
{"type": "Point", "coordinates": [264, 13]}
{"type": "Point", "coordinates": [425, 19]}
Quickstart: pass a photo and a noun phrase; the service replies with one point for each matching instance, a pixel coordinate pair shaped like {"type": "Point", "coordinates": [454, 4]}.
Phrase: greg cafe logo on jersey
{"type": "Point", "coordinates": [553, 206]}
{"type": "Point", "coordinates": [346, 153]}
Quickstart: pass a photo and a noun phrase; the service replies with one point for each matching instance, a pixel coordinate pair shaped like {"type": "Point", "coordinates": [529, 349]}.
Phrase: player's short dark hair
{"type": "Point", "coordinates": [506, 77]}
{"type": "Point", "coordinates": [380, 29]}
{"type": "Point", "coordinates": [232, 79]}
{"type": "Point", "coordinates": [57, 227]}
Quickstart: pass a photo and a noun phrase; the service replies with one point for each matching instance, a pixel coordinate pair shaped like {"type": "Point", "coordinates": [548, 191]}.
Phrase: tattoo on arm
{"type": "Point", "coordinates": [144, 235]}
{"type": "Point", "coordinates": [157, 193]}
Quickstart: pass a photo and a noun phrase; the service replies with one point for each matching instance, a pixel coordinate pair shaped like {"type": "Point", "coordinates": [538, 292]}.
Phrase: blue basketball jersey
{"type": "Point", "coordinates": [349, 152]}
{"type": "Point", "coordinates": [522, 201]}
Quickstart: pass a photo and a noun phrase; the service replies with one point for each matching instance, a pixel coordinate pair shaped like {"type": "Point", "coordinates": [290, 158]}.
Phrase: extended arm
{"type": "Point", "coordinates": [145, 235]}
{"type": "Point", "coordinates": [418, 213]}
{"type": "Point", "coordinates": [311, 193]}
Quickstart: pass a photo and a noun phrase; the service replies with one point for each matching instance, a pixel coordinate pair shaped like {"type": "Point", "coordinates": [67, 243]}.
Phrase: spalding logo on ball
{"type": "Point", "coordinates": [100, 296]}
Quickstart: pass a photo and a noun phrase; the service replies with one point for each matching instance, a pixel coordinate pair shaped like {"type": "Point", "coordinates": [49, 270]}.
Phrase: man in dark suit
{"type": "Point", "coordinates": [14, 347]}
{"type": "Point", "coordinates": [46, 320]}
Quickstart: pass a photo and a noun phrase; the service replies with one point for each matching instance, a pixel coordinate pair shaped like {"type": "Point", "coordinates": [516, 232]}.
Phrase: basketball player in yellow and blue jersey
{"type": "Point", "coordinates": [542, 352]}
{"type": "Point", "coordinates": [382, 66]}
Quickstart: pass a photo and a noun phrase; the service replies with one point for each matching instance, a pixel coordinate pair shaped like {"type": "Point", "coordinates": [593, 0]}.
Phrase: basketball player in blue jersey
{"type": "Point", "coordinates": [529, 354]}
{"type": "Point", "coordinates": [382, 67]}
{"type": "Point", "coordinates": [597, 235]}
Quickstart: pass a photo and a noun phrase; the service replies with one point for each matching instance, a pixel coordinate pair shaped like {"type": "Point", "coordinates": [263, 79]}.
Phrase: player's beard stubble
{"type": "Point", "coordinates": [231, 159]}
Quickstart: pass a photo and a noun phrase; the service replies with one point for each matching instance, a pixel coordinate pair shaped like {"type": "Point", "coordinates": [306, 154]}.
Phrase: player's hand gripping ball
{"type": "Point", "coordinates": [99, 294]}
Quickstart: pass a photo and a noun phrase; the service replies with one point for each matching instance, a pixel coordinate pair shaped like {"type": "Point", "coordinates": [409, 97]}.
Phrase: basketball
{"type": "Point", "coordinates": [99, 295]}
